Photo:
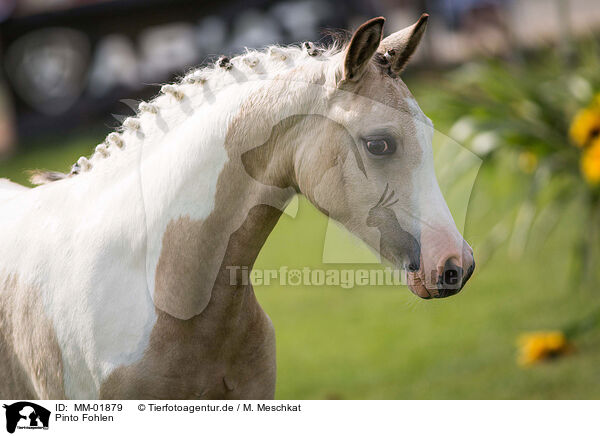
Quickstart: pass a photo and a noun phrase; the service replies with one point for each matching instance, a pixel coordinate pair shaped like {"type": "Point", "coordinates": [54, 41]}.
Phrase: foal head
{"type": "Point", "coordinates": [372, 169]}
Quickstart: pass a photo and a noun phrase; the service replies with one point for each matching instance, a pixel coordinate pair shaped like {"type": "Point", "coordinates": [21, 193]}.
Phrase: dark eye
{"type": "Point", "coordinates": [380, 147]}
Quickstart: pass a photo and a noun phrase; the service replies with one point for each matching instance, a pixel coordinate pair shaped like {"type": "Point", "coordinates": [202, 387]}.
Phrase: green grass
{"type": "Point", "coordinates": [382, 342]}
{"type": "Point", "coordinates": [385, 343]}
{"type": "Point", "coordinates": [53, 154]}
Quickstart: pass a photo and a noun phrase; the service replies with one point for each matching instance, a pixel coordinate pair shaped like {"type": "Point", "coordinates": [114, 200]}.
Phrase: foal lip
{"type": "Point", "coordinates": [421, 292]}
{"type": "Point", "coordinates": [418, 288]}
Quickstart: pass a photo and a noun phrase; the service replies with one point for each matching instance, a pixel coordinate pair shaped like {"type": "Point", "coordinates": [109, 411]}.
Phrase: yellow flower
{"type": "Point", "coordinates": [538, 346]}
{"type": "Point", "coordinates": [585, 126]}
{"type": "Point", "coordinates": [527, 162]}
{"type": "Point", "coordinates": [590, 163]}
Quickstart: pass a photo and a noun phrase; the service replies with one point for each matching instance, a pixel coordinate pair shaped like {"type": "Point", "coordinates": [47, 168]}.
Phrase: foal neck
{"type": "Point", "coordinates": [219, 210]}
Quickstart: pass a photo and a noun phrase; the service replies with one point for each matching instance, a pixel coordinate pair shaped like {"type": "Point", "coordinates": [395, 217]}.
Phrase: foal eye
{"type": "Point", "coordinates": [380, 147]}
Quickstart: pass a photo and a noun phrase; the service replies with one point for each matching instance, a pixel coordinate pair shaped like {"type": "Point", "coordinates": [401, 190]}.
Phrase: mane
{"type": "Point", "coordinates": [255, 62]}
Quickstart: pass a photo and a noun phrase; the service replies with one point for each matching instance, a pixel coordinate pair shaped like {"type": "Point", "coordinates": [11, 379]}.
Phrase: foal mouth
{"type": "Point", "coordinates": [448, 284]}
{"type": "Point", "coordinates": [417, 286]}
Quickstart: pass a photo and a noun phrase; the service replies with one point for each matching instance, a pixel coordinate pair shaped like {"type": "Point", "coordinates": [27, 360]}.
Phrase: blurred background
{"type": "Point", "coordinates": [516, 82]}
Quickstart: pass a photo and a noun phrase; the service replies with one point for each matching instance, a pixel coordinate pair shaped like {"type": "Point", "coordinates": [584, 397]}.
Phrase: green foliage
{"type": "Point", "coordinates": [385, 343]}
{"type": "Point", "coordinates": [517, 115]}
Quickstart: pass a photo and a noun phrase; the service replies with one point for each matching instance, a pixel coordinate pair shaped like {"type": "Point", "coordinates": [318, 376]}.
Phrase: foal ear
{"type": "Point", "coordinates": [401, 45]}
{"type": "Point", "coordinates": [362, 47]}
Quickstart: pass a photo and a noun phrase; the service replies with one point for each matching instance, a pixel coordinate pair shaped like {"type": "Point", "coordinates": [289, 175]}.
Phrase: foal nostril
{"type": "Point", "coordinates": [451, 278]}
{"type": "Point", "coordinates": [413, 267]}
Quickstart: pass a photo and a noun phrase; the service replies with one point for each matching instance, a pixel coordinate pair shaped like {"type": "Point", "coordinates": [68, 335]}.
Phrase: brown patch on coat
{"type": "Point", "coordinates": [225, 352]}
{"type": "Point", "coordinates": [179, 275]}
{"type": "Point", "coordinates": [193, 250]}
{"type": "Point", "coordinates": [30, 357]}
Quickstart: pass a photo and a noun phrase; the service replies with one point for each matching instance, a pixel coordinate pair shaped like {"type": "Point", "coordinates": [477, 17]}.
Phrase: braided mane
{"type": "Point", "coordinates": [254, 63]}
